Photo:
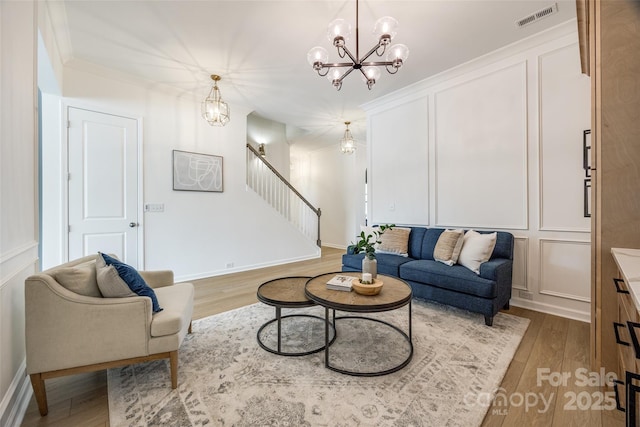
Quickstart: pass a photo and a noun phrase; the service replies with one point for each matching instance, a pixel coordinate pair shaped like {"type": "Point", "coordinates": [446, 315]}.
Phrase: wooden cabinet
{"type": "Point", "coordinates": [610, 45]}
{"type": "Point", "coordinates": [626, 330]}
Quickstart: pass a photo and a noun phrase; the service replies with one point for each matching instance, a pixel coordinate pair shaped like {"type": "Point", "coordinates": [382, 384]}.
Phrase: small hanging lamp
{"type": "Point", "coordinates": [214, 110]}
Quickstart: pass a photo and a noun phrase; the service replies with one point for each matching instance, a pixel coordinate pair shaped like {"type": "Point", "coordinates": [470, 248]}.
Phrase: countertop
{"type": "Point", "coordinates": [628, 261]}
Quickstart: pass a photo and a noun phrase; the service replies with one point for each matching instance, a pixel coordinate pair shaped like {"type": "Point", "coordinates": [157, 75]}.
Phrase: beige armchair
{"type": "Point", "coordinates": [69, 333]}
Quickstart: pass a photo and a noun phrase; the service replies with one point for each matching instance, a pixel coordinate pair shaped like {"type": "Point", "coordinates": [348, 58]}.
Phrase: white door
{"type": "Point", "coordinates": [103, 185]}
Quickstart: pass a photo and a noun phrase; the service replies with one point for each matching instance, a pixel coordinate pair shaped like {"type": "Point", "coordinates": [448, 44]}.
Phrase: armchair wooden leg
{"type": "Point", "coordinates": [173, 361]}
{"type": "Point", "coordinates": [40, 393]}
{"type": "Point", "coordinates": [190, 325]}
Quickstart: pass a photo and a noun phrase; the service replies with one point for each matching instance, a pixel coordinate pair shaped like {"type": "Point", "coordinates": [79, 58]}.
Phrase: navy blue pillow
{"type": "Point", "coordinates": [133, 279]}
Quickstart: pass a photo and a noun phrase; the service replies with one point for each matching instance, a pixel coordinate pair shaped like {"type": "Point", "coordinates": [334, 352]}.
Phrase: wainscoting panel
{"type": "Point", "coordinates": [15, 266]}
{"type": "Point", "coordinates": [481, 151]}
{"type": "Point", "coordinates": [564, 96]}
{"type": "Point", "coordinates": [520, 263]}
{"type": "Point", "coordinates": [399, 175]}
{"type": "Point", "coordinates": [565, 269]}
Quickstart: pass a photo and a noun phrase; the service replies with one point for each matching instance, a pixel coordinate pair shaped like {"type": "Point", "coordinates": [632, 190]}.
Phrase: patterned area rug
{"type": "Point", "coordinates": [226, 379]}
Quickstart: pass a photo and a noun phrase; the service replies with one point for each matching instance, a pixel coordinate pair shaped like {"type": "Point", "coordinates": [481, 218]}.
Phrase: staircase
{"type": "Point", "coordinates": [265, 180]}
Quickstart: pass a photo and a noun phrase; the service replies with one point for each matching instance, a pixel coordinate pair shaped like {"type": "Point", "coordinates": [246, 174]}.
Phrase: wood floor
{"type": "Point", "coordinates": [551, 343]}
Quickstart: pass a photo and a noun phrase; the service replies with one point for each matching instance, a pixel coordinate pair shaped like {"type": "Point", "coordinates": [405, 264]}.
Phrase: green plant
{"type": "Point", "coordinates": [366, 244]}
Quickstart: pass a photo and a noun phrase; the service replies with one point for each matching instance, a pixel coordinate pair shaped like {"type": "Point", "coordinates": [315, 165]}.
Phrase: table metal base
{"type": "Point", "coordinates": [406, 336]}
{"type": "Point", "coordinates": [278, 319]}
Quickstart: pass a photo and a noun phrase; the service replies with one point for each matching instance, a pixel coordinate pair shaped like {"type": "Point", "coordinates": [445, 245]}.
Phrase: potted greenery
{"type": "Point", "coordinates": [366, 243]}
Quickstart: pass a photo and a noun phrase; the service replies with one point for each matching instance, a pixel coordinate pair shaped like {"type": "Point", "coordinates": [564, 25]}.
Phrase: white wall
{"type": "Point", "coordinates": [334, 182]}
{"type": "Point", "coordinates": [496, 144]}
{"type": "Point", "coordinates": [18, 197]}
{"type": "Point", "coordinates": [274, 137]}
{"type": "Point", "coordinates": [198, 234]}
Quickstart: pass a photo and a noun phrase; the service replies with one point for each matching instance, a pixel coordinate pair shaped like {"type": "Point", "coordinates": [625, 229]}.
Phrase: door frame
{"type": "Point", "coordinates": [66, 105]}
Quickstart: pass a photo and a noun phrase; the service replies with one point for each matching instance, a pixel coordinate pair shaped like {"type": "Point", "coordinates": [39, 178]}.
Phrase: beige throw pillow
{"type": "Point", "coordinates": [109, 282]}
{"type": "Point", "coordinates": [476, 249]}
{"type": "Point", "coordinates": [80, 279]}
{"type": "Point", "coordinates": [395, 241]}
{"type": "Point", "coordinates": [448, 246]}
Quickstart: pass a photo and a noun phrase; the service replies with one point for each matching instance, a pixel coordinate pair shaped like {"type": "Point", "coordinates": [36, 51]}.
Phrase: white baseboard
{"type": "Point", "coordinates": [206, 274]}
{"type": "Point", "coordinates": [551, 309]}
{"type": "Point", "coordinates": [15, 401]}
{"type": "Point", "coordinates": [334, 246]}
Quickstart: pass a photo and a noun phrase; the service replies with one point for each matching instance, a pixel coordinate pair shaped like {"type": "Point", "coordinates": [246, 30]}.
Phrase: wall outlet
{"type": "Point", "coordinates": [392, 206]}
{"type": "Point", "coordinates": [525, 295]}
{"type": "Point", "coordinates": [229, 265]}
{"type": "Point", "coordinates": [154, 207]}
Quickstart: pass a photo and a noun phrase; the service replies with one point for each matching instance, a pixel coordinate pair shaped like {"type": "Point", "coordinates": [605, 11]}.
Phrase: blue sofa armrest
{"type": "Point", "coordinates": [350, 250]}
{"type": "Point", "coordinates": [498, 269]}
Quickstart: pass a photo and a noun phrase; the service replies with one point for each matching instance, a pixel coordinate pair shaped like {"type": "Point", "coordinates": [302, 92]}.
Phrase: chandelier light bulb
{"type": "Point", "coordinates": [385, 29]}
{"type": "Point", "coordinates": [370, 76]}
{"type": "Point", "coordinates": [339, 31]}
{"type": "Point", "coordinates": [317, 56]}
{"type": "Point", "coordinates": [397, 55]}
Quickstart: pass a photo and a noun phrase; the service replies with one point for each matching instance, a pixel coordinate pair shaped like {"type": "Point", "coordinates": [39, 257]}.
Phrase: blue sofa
{"type": "Point", "coordinates": [455, 285]}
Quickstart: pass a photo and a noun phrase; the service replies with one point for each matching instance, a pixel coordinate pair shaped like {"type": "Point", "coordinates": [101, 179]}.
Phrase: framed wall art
{"type": "Point", "coordinates": [197, 172]}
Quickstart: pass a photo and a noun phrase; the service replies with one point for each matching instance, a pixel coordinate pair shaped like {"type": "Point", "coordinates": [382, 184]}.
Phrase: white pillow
{"type": "Point", "coordinates": [476, 249]}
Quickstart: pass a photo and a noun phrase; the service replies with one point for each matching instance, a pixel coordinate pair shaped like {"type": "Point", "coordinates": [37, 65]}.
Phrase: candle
{"type": "Point", "coordinates": [366, 277]}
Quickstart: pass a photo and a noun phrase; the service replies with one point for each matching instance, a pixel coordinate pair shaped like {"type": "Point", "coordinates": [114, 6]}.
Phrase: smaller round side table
{"type": "Point", "coordinates": [287, 292]}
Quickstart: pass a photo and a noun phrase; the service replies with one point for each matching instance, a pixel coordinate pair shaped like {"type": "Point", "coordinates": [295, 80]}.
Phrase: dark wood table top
{"type": "Point", "coordinates": [395, 293]}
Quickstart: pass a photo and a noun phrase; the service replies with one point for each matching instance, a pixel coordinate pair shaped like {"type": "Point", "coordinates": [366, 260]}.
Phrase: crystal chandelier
{"type": "Point", "coordinates": [338, 33]}
{"type": "Point", "coordinates": [214, 110]}
{"type": "Point", "coordinates": [347, 143]}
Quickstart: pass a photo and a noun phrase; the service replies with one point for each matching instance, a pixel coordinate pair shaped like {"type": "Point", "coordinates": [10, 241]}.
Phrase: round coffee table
{"type": "Point", "coordinates": [395, 293]}
{"type": "Point", "coordinates": [287, 292]}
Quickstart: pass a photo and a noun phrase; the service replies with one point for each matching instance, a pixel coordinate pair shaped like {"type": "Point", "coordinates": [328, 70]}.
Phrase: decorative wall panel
{"type": "Point", "coordinates": [399, 173]}
{"type": "Point", "coordinates": [520, 262]}
{"type": "Point", "coordinates": [481, 151]}
{"type": "Point", "coordinates": [565, 269]}
{"type": "Point", "coordinates": [564, 115]}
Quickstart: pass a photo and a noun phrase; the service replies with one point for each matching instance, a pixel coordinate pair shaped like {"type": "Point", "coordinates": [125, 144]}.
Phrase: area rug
{"type": "Point", "coordinates": [227, 379]}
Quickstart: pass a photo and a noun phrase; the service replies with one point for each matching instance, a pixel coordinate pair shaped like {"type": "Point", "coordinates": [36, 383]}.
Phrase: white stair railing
{"type": "Point", "coordinates": [267, 182]}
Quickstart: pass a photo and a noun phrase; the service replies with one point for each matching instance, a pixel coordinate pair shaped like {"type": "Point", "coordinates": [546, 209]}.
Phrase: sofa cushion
{"type": "Point", "coordinates": [504, 245]}
{"type": "Point", "coordinates": [476, 249]}
{"type": "Point", "coordinates": [133, 279]}
{"type": "Point", "coordinates": [429, 242]}
{"type": "Point", "coordinates": [386, 263]}
{"type": "Point", "coordinates": [415, 241]}
{"type": "Point", "coordinates": [390, 264]}
{"type": "Point", "coordinates": [448, 247]}
{"type": "Point", "coordinates": [455, 278]}
{"type": "Point", "coordinates": [177, 309]}
{"type": "Point", "coordinates": [80, 279]}
{"type": "Point", "coordinates": [395, 241]}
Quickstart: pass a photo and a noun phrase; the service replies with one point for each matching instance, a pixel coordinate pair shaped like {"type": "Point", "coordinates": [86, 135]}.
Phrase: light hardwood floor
{"type": "Point", "coordinates": [551, 342]}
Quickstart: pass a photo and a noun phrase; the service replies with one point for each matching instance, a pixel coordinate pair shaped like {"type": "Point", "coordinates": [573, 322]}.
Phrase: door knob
{"type": "Point", "coordinates": [133, 224]}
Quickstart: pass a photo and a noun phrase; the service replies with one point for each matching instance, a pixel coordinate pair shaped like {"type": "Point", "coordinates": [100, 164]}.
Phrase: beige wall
{"type": "Point", "coordinates": [18, 195]}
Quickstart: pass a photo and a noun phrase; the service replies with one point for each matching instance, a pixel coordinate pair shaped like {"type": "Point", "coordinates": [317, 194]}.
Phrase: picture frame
{"type": "Point", "coordinates": [197, 172]}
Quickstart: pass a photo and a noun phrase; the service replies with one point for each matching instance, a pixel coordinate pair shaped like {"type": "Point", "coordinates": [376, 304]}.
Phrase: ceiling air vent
{"type": "Point", "coordinates": [542, 13]}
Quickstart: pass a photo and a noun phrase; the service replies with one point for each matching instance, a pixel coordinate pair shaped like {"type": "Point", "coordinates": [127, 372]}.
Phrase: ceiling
{"type": "Point", "coordinates": [260, 47]}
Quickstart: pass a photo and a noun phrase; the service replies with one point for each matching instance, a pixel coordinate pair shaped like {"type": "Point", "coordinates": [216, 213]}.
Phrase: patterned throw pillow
{"type": "Point", "coordinates": [395, 241]}
{"type": "Point", "coordinates": [448, 246]}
